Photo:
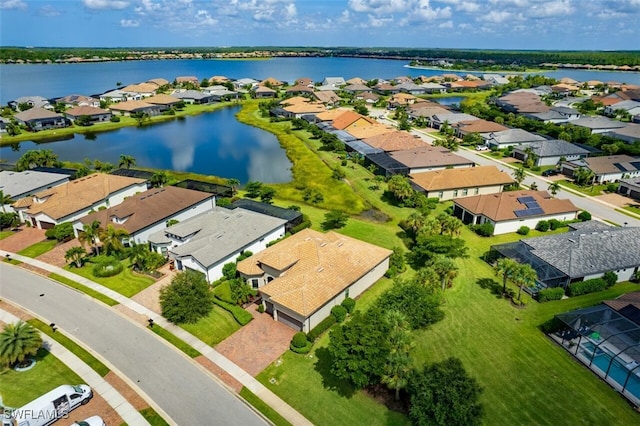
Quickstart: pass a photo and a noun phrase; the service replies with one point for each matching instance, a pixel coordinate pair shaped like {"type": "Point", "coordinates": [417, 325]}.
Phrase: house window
{"type": "Point", "coordinates": [254, 283]}
{"type": "Point", "coordinates": [465, 191]}
{"type": "Point", "coordinates": [475, 192]}
{"type": "Point", "coordinates": [455, 192]}
{"type": "Point", "coordinates": [440, 194]}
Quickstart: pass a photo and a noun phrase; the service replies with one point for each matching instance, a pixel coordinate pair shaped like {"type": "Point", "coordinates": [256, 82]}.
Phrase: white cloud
{"type": "Point", "coordinates": [380, 7]}
{"type": "Point", "coordinates": [290, 12]}
{"type": "Point", "coordinates": [12, 4]}
{"type": "Point", "coordinates": [48, 10]}
{"type": "Point", "coordinates": [496, 16]}
{"type": "Point", "coordinates": [551, 9]}
{"type": "Point", "coordinates": [129, 23]}
{"type": "Point", "coordinates": [448, 24]}
{"type": "Point", "coordinates": [468, 6]}
{"type": "Point", "coordinates": [105, 4]}
{"type": "Point", "coordinates": [204, 18]}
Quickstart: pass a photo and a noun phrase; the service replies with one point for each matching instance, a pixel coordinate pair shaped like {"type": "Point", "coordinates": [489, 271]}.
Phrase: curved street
{"type": "Point", "coordinates": [185, 391]}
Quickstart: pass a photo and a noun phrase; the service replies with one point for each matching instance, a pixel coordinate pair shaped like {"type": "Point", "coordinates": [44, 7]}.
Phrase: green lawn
{"type": "Point", "coordinates": [213, 328]}
{"type": "Point", "coordinates": [5, 234]}
{"type": "Point", "coordinates": [126, 282]}
{"type": "Point", "coordinates": [86, 290]}
{"type": "Point", "coordinates": [152, 417]}
{"type": "Point", "coordinates": [39, 248]}
{"type": "Point", "coordinates": [633, 209]}
{"type": "Point", "coordinates": [586, 190]}
{"type": "Point", "coordinates": [175, 341]}
{"type": "Point", "coordinates": [265, 409]}
{"type": "Point", "coordinates": [19, 388]}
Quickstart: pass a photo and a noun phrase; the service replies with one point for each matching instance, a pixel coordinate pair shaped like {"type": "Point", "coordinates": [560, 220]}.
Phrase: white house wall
{"type": "Point", "coordinates": [432, 168]}
{"type": "Point", "coordinates": [509, 226]}
{"type": "Point", "coordinates": [451, 194]}
{"type": "Point", "coordinates": [624, 274]}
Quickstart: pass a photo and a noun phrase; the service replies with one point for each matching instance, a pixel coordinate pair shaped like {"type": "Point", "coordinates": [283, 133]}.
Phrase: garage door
{"type": "Point", "coordinates": [634, 194]}
{"type": "Point", "coordinates": [291, 322]}
{"type": "Point", "coordinates": [47, 225]}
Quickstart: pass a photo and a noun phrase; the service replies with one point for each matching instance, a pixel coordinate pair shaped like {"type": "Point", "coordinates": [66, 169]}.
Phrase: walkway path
{"type": "Point", "coordinates": [261, 391]}
{"type": "Point", "coordinates": [98, 384]}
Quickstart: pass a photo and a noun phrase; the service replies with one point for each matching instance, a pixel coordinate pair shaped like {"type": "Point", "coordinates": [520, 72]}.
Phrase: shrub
{"type": "Point", "coordinates": [107, 267]}
{"type": "Point", "coordinates": [554, 224]}
{"type": "Point", "coordinates": [60, 232]}
{"type": "Point", "coordinates": [244, 255]}
{"type": "Point", "coordinates": [306, 223]}
{"type": "Point", "coordinates": [261, 308]}
{"type": "Point", "coordinates": [610, 278]}
{"type": "Point", "coordinates": [612, 187]}
{"type": "Point", "coordinates": [8, 220]}
{"type": "Point", "coordinates": [586, 287]}
{"type": "Point", "coordinates": [523, 230]}
{"type": "Point", "coordinates": [485, 230]}
{"type": "Point", "coordinates": [299, 340]}
{"type": "Point", "coordinates": [349, 304]}
{"type": "Point", "coordinates": [584, 216]}
{"type": "Point", "coordinates": [241, 316]}
{"type": "Point", "coordinates": [229, 270]}
{"type": "Point", "coordinates": [340, 312]}
{"type": "Point", "coordinates": [547, 294]}
{"type": "Point", "coordinates": [542, 226]}
{"type": "Point", "coordinates": [323, 326]}
{"type": "Point", "coordinates": [114, 119]}
{"type": "Point", "coordinates": [187, 299]}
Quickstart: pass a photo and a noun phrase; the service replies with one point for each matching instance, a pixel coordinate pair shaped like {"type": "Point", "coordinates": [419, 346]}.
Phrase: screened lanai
{"type": "Point", "coordinates": [606, 342]}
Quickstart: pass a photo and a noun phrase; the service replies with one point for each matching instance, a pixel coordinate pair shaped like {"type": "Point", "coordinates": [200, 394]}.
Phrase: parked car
{"type": "Point", "coordinates": [91, 421]}
{"type": "Point", "coordinates": [482, 148]}
{"type": "Point", "coordinates": [550, 172]}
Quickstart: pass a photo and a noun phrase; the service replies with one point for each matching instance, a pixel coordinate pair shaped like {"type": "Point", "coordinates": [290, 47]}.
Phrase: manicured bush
{"type": "Point", "coordinates": [484, 230]}
{"type": "Point", "coordinates": [241, 316]}
{"type": "Point", "coordinates": [584, 216]}
{"type": "Point", "coordinates": [586, 287]}
{"type": "Point", "coordinates": [229, 270]}
{"type": "Point", "coordinates": [323, 326]}
{"type": "Point", "coordinates": [610, 278]}
{"type": "Point", "coordinates": [542, 226]}
{"type": "Point", "coordinates": [107, 267]}
{"type": "Point", "coordinates": [547, 294]}
{"type": "Point", "coordinates": [523, 230]}
{"type": "Point", "coordinates": [554, 224]}
{"type": "Point", "coordinates": [340, 312]}
{"type": "Point", "coordinates": [306, 223]}
{"type": "Point", "coordinates": [261, 308]}
{"type": "Point", "coordinates": [299, 340]}
{"type": "Point", "coordinates": [349, 304]}
{"type": "Point", "coordinates": [60, 232]}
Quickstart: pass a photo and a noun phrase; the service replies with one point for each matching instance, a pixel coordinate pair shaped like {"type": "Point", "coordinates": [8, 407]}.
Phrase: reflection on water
{"type": "Point", "coordinates": [211, 144]}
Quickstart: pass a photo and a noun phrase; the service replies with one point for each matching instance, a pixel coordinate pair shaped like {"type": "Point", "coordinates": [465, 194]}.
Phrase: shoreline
{"type": "Point", "coordinates": [418, 67]}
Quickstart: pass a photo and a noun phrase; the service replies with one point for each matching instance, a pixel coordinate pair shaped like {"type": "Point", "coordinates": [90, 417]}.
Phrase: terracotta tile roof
{"type": "Point", "coordinates": [188, 79]}
{"type": "Point", "coordinates": [479, 126]}
{"type": "Point", "coordinates": [469, 177]}
{"type": "Point", "coordinates": [368, 130]}
{"type": "Point", "coordinates": [624, 301]}
{"type": "Point", "coordinates": [140, 88]}
{"type": "Point", "coordinates": [159, 81]}
{"type": "Point", "coordinates": [428, 156]}
{"type": "Point", "coordinates": [428, 111]}
{"type": "Point", "coordinates": [131, 106]}
{"type": "Point", "coordinates": [356, 80]}
{"type": "Point", "coordinates": [147, 208]}
{"type": "Point", "coordinates": [331, 114]}
{"type": "Point", "coordinates": [327, 96]}
{"type": "Point", "coordinates": [347, 118]}
{"type": "Point", "coordinates": [85, 110]}
{"type": "Point", "coordinates": [219, 79]}
{"type": "Point", "coordinates": [394, 140]}
{"type": "Point", "coordinates": [272, 81]}
{"type": "Point", "coordinates": [299, 88]}
{"type": "Point", "coordinates": [501, 206]}
{"type": "Point", "coordinates": [63, 200]}
{"type": "Point", "coordinates": [304, 81]}
{"type": "Point", "coordinates": [162, 99]}
{"type": "Point", "coordinates": [305, 108]}
{"type": "Point", "coordinates": [320, 266]}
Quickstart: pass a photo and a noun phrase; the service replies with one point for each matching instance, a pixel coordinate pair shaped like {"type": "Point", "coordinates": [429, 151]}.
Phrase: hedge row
{"type": "Point", "coordinates": [323, 326]}
{"type": "Point", "coordinates": [548, 294]}
{"type": "Point", "coordinates": [586, 287]}
{"type": "Point", "coordinates": [240, 315]}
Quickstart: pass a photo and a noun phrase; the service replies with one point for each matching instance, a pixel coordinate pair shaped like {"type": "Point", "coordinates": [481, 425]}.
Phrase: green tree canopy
{"type": "Point", "coordinates": [17, 342]}
{"type": "Point", "coordinates": [187, 298]}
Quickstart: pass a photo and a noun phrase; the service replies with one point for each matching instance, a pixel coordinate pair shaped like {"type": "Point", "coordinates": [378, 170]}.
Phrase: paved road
{"type": "Point", "coordinates": [185, 391]}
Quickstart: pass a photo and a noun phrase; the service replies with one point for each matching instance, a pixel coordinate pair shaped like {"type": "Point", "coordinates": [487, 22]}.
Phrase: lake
{"type": "Point", "coordinates": [213, 143]}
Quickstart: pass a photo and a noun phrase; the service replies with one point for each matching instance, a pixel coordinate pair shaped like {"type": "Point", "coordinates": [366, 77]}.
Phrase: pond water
{"type": "Point", "coordinates": [450, 100]}
{"type": "Point", "coordinates": [212, 143]}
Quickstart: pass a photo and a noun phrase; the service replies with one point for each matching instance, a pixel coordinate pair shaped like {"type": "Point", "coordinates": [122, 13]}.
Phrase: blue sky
{"type": "Point", "coordinates": [499, 24]}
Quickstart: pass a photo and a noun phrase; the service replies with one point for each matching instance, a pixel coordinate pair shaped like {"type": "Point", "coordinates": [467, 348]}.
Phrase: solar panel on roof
{"type": "Point", "coordinates": [532, 205]}
{"type": "Point", "coordinates": [528, 212]}
{"type": "Point", "coordinates": [526, 199]}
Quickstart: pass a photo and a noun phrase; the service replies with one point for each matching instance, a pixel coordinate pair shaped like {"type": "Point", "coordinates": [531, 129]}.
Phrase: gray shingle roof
{"type": "Point", "coordinates": [553, 148]}
{"type": "Point", "coordinates": [17, 184]}
{"type": "Point", "coordinates": [218, 233]}
{"type": "Point", "coordinates": [589, 250]}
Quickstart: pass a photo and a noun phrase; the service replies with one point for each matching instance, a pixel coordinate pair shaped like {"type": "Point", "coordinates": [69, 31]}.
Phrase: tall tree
{"type": "Point", "coordinates": [233, 183]}
{"type": "Point", "coordinates": [159, 179]}
{"type": "Point", "coordinates": [584, 176]}
{"type": "Point", "coordinates": [554, 187]}
{"type": "Point", "coordinates": [111, 239]}
{"type": "Point", "coordinates": [91, 234]}
{"type": "Point", "coordinates": [17, 342]}
{"type": "Point", "coordinates": [446, 270]}
{"type": "Point", "coordinates": [398, 367]}
{"type": "Point", "coordinates": [505, 268]}
{"type": "Point", "coordinates": [75, 255]}
{"type": "Point", "coordinates": [37, 158]}
{"type": "Point", "coordinates": [187, 299]}
{"type": "Point", "coordinates": [519, 174]}
{"type": "Point", "coordinates": [400, 188]}
{"type": "Point", "coordinates": [4, 199]}
{"type": "Point", "coordinates": [126, 161]}
{"type": "Point", "coordinates": [524, 275]}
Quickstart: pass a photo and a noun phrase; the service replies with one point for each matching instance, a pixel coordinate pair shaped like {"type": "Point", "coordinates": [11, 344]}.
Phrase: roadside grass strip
{"type": "Point", "coordinates": [84, 289]}
{"type": "Point", "coordinates": [38, 249]}
{"type": "Point", "coordinates": [175, 341]}
{"type": "Point", "coordinates": [262, 407]}
{"type": "Point", "coordinates": [152, 417]}
{"type": "Point", "coordinates": [72, 346]}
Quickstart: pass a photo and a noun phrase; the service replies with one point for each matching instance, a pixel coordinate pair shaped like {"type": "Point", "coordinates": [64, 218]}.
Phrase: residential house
{"type": "Point", "coordinates": [31, 102]}
{"type": "Point", "coordinates": [134, 107]}
{"type": "Point", "coordinates": [187, 79]}
{"type": "Point", "coordinates": [304, 81]}
{"type": "Point", "coordinates": [357, 88]}
{"type": "Point", "coordinates": [79, 100]}
{"type": "Point", "coordinates": [159, 82]}
{"type": "Point", "coordinates": [426, 112]}
{"type": "Point", "coordinates": [549, 152]}
{"type": "Point", "coordinates": [434, 88]}
{"type": "Point", "coordinates": [369, 98]}
{"type": "Point", "coordinates": [76, 199]}
{"type": "Point", "coordinates": [297, 107]}
{"type": "Point", "coordinates": [412, 88]}
{"type": "Point", "coordinates": [629, 134]}
{"type": "Point", "coordinates": [263, 92]}
{"type": "Point", "coordinates": [482, 127]}
{"type": "Point", "coordinates": [598, 124]}
{"type": "Point", "coordinates": [630, 187]}
{"type": "Point", "coordinates": [605, 169]}
{"type": "Point", "coordinates": [425, 158]}
{"type": "Point", "coordinates": [96, 115]}
{"type": "Point", "coordinates": [520, 102]}
{"type": "Point", "coordinates": [335, 82]}
{"type": "Point", "coordinates": [351, 118]}
{"type": "Point", "coordinates": [299, 89]}
{"type": "Point", "coordinates": [400, 100]}
{"type": "Point", "coordinates": [219, 79]}
{"type": "Point", "coordinates": [327, 97]}
{"type": "Point", "coordinates": [630, 107]}
{"type": "Point", "coordinates": [303, 276]}
{"type": "Point", "coordinates": [114, 96]}
{"type": "Point", "coordinates": [393, 140]}
{"type": "Point", "coordinates": [244, 84]}
{"type": "Point", "coordinates": [149, 212]}
{"type": "Point", "coordinates": [139, 91]}
{"type": "Point", "coordinates": [386, 89]}
{"type": "Point", "coordinates": [510, 137]}
{"type": "Point", "coordinates": [18, 185]}
{"type": "Point", "coordinates": [293, 217]}
{"type": "Point", "coordinates": [438, 120]}
{"type": "Point", "coordinates": [37, 119]}
{"type": "Point", "coordinates": [557, 114]}
{"type": "Point", "coordinates": [220, 93]}
{"type": "Point", "coordinates": [208, 241]}
{"type": "Point", "coordinates": [193, 96]}
{"type": "Point", "coordinates": [588, 251]}
{"type": "Point", "coordinates": [165, 102]}
{"type": "Point", "coordinates": [508, 211]}
{"type": "Point", "coordinates": [495, 79]}
{"type": "Point", "coordinates": [448, 184]}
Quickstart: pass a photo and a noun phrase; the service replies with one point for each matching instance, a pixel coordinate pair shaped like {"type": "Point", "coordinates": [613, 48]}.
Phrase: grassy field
{"type": "Point", "coordinates": [19, 388]}
{"type": "Point", "coordinates": [37, 249]}
{"type": "Point", "coordinates": [5, 234]}
{"type": "Point", "coordinates": [213, 328]}
{"type": "Point", "coordinates": [586, 190]}
{"type": "Point", "coordinates": [126, 282]}
{"type": "Point", "coordinates": [86, 290]}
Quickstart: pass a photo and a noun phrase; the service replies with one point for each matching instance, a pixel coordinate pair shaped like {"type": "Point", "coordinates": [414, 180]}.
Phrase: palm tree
{"type": "Point", "coordinates": [91, 234]}
{"type": "Point", "coordinates": [524, 275]}
{"type": "Point", "coordinates": [138, 255]}
{"type": "Point", "coordinates": [446, 270]}
{"type": "Point", "coordinates": [506, 268]}
{"type": "Point", "coordinates": [430, 226]}
{"type": "Point", "coordinates": [126, 161]}
{"type": "Point", "coordinates": [75, 255]}
{"type": "Point", "coordinates": [17, 342]}
{"type": "Point", "coordinates": [4, 199]}
{"type": "Point", "coordinates": [584, 176]}
{"type": "Point", "coordinates": [112, 239]}
{"type": "Point", "coordinates": [533, 186]}
{"type": "Point", "coordinates": [414, 221]}
{"type": "Point", "coordinates": [159, 179]}
{"type": "Point", "coordinates": [519, 174]}
{"type": "Point", "coordinates": [234, 184]}
{"type": "Point", "coordinates": [398, 367]}
{"type": "Point", "coordinates": [554, 187]}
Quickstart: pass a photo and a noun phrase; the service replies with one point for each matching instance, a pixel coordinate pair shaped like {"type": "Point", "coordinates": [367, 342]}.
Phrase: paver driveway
{"type": "Point", "coordinates": [22, 239]}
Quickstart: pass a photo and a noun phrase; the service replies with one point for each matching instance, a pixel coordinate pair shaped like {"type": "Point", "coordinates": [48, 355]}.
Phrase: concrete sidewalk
{"type": "Point", "coordinates": [271, 399]}
{"type": "Point", "coordinates": [100, 386]}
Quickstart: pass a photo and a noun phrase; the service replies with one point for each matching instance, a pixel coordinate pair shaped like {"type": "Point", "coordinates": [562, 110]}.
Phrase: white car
{"type": "Point", "coordinates": [91, 421]}
{"type": "Point", "coordinates": [482, 148]}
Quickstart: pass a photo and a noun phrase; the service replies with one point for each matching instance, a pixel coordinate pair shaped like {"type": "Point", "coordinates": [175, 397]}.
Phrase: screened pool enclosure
{"type": "Point", "coordinates": [606, 342]}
